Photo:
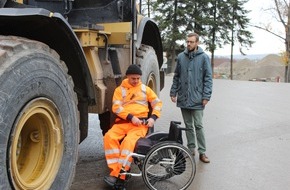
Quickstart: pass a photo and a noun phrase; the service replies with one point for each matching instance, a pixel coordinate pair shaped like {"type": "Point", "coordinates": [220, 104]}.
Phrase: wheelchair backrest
{"type": "Point", "coordinates": [175, 133]}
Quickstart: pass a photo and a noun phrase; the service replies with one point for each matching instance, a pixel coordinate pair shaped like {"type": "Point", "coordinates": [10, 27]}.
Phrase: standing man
{"type": "Point", "coordinates": [191, 89]}
{"type": "Point", "coordinates": [130, 104]}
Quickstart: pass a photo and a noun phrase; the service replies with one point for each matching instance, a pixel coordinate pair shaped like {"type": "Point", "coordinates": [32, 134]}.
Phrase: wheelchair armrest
{"type": "Point", "coordinates": [157, 136]}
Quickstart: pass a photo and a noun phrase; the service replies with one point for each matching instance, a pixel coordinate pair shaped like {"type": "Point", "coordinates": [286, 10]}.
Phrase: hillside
{"type": "Point", "coordinates": [269, 68]}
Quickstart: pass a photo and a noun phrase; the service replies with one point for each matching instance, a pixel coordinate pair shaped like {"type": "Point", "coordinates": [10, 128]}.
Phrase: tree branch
{"type": "Point", "coordinates": [267, 30]}
{"type": "Point", "coordinates": [279, 13]}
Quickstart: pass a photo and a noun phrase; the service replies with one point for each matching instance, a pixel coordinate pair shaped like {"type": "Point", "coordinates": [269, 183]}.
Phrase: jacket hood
{"type": "Point", "coordinates": [191, 54]}
{"type": "Point", "coordinates": [125, 83]}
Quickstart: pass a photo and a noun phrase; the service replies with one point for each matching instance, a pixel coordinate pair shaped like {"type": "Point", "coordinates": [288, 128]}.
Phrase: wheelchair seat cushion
{"type": "Point", "coordinates": [143, 145]}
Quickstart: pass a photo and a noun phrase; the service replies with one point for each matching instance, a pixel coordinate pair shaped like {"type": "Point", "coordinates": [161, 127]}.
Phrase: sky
{"type": "Point", "coordinates": [265, 43]}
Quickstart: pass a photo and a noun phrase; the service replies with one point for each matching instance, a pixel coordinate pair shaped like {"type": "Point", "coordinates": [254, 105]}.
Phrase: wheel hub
{"type": "Point", "coordinates": [169, 169]}
{"type": "Point", "coordinates": [36, 146]}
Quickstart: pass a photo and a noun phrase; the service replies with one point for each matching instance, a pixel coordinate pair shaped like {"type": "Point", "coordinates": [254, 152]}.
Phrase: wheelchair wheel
{"type": "Point", "coordinates": [168, 165]}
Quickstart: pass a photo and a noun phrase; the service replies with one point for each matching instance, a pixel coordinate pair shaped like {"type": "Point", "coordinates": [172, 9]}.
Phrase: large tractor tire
{"type": "Point", "coordinates": [147, 59]}
{"type": "Point", "coordinates": [39, 119]}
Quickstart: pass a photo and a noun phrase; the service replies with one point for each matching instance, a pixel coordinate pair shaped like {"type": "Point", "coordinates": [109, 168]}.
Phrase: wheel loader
{"type": "Point", "coordinates": [60, 60]}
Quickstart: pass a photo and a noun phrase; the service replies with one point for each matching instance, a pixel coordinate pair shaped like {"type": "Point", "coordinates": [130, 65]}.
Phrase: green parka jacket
{"type": "Point", "coordinates": [192, 81]}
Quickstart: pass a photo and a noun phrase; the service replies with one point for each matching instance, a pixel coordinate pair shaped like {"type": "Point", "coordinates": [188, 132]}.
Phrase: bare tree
{"type": "Point", "coordinates": [280, 11]}
{"type": "Point", "coordinates": [287, 77]}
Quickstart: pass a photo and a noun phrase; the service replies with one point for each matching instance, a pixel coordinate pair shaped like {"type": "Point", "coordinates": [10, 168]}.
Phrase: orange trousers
{"type": "Point", "coordinates": [115, 152]}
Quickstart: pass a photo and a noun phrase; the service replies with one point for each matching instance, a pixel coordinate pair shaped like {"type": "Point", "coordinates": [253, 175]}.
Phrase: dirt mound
{"type": "Point", "coordinates": [268, 68]}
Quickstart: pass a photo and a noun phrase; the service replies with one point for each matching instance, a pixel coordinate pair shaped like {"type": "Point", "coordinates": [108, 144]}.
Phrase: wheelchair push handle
{"type": "Point", "coordinates": [178, 123]}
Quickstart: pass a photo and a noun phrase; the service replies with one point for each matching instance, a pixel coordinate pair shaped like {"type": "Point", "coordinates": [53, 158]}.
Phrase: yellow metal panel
{"type": "Point", "coordinates": [120, 32]}
{"type": "Point", "coordinates": [119, 38]}
{"type": "Point", "coordinates": [90, 38]}
{"type": "Point", "coordinates": [97, 74]}
{"type": "Point", "coordinates": [117, 27]}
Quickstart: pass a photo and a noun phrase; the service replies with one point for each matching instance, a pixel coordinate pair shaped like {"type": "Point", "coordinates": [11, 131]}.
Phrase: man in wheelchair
{"type": "Point", "coordinates": [130, 104]}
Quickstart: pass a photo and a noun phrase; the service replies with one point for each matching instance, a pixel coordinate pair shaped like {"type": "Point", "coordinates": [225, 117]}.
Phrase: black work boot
{"type": "Point", "coordinates": [120, 185]}
{"type": "Point", "coordinates": [110, 180]}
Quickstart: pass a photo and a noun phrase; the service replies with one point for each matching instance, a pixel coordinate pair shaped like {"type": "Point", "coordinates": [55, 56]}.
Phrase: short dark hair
{"type": "Point", "coordinates": [194, 34]}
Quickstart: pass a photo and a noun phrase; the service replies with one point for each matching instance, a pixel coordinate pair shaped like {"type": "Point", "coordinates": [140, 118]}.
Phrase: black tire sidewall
{"type": "Point", "coordinates": [149, 66]}
{"type": "Point", "coordinates": [34, 74]}
{"type": "Point", "coordinates": [162, 145]}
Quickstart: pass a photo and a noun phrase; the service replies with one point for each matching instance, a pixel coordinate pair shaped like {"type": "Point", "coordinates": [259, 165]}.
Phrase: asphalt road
{"type": "Point", "coordinates": [247, 127]}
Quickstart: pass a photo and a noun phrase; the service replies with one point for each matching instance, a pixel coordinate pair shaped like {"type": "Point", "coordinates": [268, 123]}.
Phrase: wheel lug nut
{"type": "Point", "coordinates": [34, 136]}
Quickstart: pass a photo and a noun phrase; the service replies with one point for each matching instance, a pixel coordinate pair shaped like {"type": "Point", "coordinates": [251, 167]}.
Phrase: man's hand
{"type": "Point", "coordinates": [136, 121]}
{"type": "Point", "coordinates": [150, 122]}
{"type": "Point", "coordinates": [173, 99]}
{"type": "Point", "coordinates": [204, 102]}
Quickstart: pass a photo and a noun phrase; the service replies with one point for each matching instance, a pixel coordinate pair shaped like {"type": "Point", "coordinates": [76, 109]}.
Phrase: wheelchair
{"type": "Point", "coordinates": [163, 161]}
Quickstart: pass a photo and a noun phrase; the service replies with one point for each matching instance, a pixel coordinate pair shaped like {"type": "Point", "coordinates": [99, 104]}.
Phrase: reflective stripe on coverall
{"type": "Point", "coordinates": [116, 153]}
{"type": "Point", "coordinates": [128, 100]}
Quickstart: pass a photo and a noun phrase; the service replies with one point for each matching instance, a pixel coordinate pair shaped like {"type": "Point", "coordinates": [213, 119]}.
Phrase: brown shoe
{"type": "Point", "coordinates": [204, 158]}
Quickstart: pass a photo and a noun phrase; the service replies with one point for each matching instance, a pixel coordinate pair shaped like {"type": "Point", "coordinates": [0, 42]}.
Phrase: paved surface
{"type": "Point", "coordinates": [247, 127]}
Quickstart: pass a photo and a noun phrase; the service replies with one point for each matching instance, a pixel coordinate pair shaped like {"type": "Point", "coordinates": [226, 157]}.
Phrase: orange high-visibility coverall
{"type": "Point", "coordinates": [128, 101]}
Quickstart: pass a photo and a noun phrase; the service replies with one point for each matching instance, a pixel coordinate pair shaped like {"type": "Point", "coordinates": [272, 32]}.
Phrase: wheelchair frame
{"type": "Point", "coordinates": [167, 156]}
